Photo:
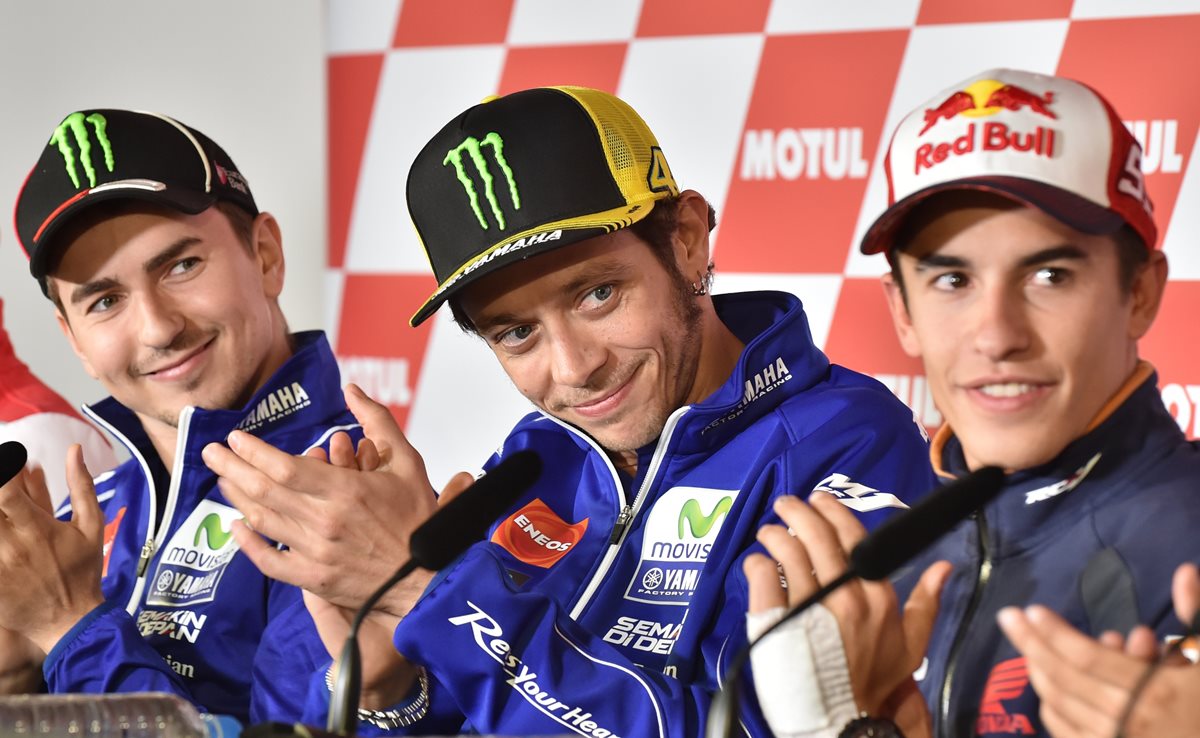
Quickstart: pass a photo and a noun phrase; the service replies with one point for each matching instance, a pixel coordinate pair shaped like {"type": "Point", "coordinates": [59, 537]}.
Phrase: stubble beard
{"type": "Point", "coordinates": [685, 355]}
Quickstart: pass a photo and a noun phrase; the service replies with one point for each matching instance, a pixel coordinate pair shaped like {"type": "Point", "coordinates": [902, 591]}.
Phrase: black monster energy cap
{"type": "Point", "coordinates": [518, 175]}
{"type": "Point", "coordinates": [99, 155]}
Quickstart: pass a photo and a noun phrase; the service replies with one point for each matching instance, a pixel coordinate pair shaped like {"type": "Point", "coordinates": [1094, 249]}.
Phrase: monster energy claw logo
{"type": "Point", "coordinates": [474, 149]}
{"type": "Point", "coordinates": [75, 126]}
{"type": "Point", "coordinates": [694, 517]}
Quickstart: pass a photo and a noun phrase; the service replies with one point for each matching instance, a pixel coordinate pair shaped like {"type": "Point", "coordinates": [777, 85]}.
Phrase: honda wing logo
{"type": "Point", "coordinates": [473, 148]}
{"type": "Point", "coordinates": [74, 132]}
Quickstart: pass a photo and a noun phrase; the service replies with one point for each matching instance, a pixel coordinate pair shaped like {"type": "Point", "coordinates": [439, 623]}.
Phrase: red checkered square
{"type": "Point", "coordinates": [439, 23]}
{"type": "Point", "coordinates": [956, 11]}
{"type": "Point", "coordinates": [806, 149]}
{"type": "Point", "coordinates": [376, 347]}
{"type": "Point", "coordinates": [696, 17]}
{"type": "Point", "coordinates": [353, 81]}
{"type": "Point", "coordinates": [1129, 62]}
{"type": "Point", "coordinates": [585, 65]}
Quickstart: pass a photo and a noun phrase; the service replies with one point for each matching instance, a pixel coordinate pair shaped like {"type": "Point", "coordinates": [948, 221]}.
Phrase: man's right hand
{"type": "Point", "coordinates": [20, 664]}
{"type": "Point", "coordinates": [346, 530]}
{"type": "Point", "coordinates": [49, 570]}
{"type": "Point", "coordinates": [883, 644]}
{"type": "Point", "coordinates": [386, 675]}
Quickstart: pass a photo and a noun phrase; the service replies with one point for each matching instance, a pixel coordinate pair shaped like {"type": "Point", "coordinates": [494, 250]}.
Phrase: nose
{"type": "Point", "coordinates": [576, 356]}
{"type": "Point", "coordinates": [161, 321]}
{"type": "Point", "coordinates": [1001, 323]}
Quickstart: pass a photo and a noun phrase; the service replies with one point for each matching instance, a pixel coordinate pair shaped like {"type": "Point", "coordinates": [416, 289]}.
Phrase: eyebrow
{"type": "Point", "coordinates": [1054, 253]}
{"type": "Point", "coordinates": [602, 272]}
{"type": "Point", "coordinates": [154, 263]}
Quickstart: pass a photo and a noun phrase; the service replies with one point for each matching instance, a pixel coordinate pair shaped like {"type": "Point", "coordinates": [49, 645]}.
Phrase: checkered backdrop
{"type": "Point", "coordinates": [776, 111]}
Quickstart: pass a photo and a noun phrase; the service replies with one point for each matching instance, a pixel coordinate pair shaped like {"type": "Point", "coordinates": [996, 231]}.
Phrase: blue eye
{"type": "Point", "coordinates": [515, 336]}
{"type": "Point", "coordinates": [103, 305]}
{"type": "Point", "coordinates": [185, 265]}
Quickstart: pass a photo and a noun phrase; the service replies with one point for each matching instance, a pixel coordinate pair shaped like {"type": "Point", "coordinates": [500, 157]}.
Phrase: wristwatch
{"type": "Point", "coordinates": [870, 727]}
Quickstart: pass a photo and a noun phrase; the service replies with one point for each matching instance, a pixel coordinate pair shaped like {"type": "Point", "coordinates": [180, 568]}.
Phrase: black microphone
{"type": "Point", "coordinates": [13, 456]}
{"type": "Point", "coordinates": [438, 541]}
{"type": "Point", "coordinates": [885, 549]}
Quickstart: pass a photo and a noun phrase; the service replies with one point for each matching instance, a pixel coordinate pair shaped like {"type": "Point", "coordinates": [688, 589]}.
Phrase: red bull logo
{"type": "Point", "coordinates": [988, 97]}
{"type": "Point", "coordinates": [980, 100]}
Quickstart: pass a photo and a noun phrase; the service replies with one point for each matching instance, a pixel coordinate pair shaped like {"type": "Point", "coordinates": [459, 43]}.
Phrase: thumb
{"type": "Point", "coordinates": [377, 422]}
{"type": "Point", "coordinates": [921, 610]}
{"type": "Point", "coordinates": [455, 487]}
{"type": "Point", "coordinates": [85, 508]}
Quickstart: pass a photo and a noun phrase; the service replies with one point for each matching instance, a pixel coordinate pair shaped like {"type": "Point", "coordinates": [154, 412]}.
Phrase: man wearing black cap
{"type": "Point", "coordinates": [1025, 269]}
{"type": "Point", "coordinates": [608, 599]}
{"type": "Point", "coordinates": [165, 278]}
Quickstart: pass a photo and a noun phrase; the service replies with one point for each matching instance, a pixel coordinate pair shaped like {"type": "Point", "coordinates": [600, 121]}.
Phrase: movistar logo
{"type": "Point", "coordinates": [700, 523]}
{"type": "Point", "coordinates": [211, 528]}
{"type": "Point", "coordinates": [74, 132]}
{"type": "Point", "coordinates": [474, 149]}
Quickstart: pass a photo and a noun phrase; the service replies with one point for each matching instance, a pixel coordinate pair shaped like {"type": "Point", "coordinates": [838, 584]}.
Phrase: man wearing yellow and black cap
{"type": "Point", "coordinates": [609, 599]}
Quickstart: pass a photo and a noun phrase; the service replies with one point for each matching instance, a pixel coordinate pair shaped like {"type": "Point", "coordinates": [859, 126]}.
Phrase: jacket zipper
{"type": "Point", "coordinates": [981, 580]}
{"type": "Point", "coordinates": [155, 532]}
{"type": "Point", "coordinates": [629, 511]}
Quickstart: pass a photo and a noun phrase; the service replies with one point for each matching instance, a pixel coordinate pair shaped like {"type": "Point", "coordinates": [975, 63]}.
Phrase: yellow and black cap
{"type": "Point", "coordinates": [518, 175]}
{"type": "Point", "coordinates": [98, 155]}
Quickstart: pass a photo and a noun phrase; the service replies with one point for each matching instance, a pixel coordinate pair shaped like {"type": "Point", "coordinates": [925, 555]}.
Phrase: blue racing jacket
{"type": "Point", "coordinates": [610, 606]}
{"type": "Point", "coordinates": [1095, 535]}
{"type": "Point", "coordinates": [185, 611]}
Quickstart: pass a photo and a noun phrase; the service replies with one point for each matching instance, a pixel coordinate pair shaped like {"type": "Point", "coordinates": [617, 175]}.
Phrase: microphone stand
{"type": "Point", "coordinates": [343, 703]}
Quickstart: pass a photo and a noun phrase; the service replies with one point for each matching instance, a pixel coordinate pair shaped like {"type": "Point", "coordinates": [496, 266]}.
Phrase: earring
{"type": "Point", "coordinates": [702, 287]}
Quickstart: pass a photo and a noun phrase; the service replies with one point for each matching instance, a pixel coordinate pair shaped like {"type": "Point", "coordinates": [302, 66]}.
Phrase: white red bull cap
{"type": "Point", "coordinates": [1049, 142]}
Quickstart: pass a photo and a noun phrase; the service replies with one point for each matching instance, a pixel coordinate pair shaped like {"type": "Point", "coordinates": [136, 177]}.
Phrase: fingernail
{"type": "Point", "coordinates": [817, 494]}
{"type": "Point", "coordinates": [234, 439]}
{"type": "Point", "coordinates": [1007, 617]}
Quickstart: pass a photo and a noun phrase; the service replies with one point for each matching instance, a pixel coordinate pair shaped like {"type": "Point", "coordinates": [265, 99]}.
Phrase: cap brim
{"type": "Point", "coordinates": [185, 201]}
{"type": "Point", "coordinates": [573, 230]}
{"type": "Point", "coordinates": [1066, 207]}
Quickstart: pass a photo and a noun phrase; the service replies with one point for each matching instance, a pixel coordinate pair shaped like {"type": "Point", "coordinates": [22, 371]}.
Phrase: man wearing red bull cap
{"type": "Point", "coordinates": [1024, 270]}
{"type": "Point", "coordinates": [608, 601]}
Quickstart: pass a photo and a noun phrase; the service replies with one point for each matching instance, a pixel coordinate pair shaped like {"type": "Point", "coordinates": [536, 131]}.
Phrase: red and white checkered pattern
{"type": "Point", "coordinates": [775, 111]}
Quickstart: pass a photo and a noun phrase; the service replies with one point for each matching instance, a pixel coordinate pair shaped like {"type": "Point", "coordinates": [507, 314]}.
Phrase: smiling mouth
{"type": "Point", "coordinates": [1007, 389]}
{"type": "Point", "coordinates": [605, 404]}
{"type": "Point", "coordinates": [181, 365]}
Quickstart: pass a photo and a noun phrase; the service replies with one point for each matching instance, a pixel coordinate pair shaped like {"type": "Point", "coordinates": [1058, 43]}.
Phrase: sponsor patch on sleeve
{"type": "Point", "coordinates": [536, 535]}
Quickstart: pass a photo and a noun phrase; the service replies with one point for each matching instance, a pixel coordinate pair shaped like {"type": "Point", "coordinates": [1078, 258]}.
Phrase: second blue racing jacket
{"type": "Point", "coordinates": [609, 606]}
{"type": "Point", "coordinates": [185, 611]}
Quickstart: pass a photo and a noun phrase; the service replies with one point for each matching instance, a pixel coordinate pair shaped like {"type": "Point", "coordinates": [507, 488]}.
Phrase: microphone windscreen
{"type": "Point", "coordinates": [463, 520]}
{"type": "Point", "coordinates": [12, 459]}
{"type": "Point", "coordinates": [907, 534]}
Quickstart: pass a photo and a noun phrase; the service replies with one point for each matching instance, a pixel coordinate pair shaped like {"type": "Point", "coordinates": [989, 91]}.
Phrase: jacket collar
{"type": "Point", "coordinates": [1130, 433]}
{"type": "Point", "coordinates": [779, 360]}
{"type": "Point", "coordinates": [307, 385]}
